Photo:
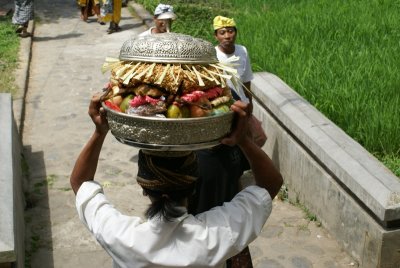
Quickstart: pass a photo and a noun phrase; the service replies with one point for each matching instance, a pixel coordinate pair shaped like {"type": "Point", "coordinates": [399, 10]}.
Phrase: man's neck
{"type": "Point", "coordinates": [227, 50]}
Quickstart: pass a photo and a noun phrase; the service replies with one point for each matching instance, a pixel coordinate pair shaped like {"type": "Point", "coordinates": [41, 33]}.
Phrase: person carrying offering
{"type": "Point", "coordinates": [170, 237]}
{"type": "Point", "coordinates": [163, 17]}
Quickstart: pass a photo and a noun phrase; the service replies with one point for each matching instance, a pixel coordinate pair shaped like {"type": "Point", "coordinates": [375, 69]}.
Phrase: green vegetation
{"type": "Point", "coordinates": [283, 194]}
{"type": "Point", "coordinates": [343, 57]}
{"type": "Point", "coordinates": [33, 248]}
{"type": "Point", "coordinates": [392, 162]}
{"type": "Point", "coordinates": [194, 17]}
{"type": "Point", "coordinates": [310, 216]}
{"type": "Point", "coordinates": [9, 45]}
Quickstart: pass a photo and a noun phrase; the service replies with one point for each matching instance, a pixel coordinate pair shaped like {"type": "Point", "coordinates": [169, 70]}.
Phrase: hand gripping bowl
{"type": "Point", "coordinates": [169, 134]}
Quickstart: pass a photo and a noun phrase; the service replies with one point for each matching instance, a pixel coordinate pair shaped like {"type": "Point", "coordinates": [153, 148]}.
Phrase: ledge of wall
{"type": "Point", "coordinates": [12, 226]}
{"type": "Point", "coordinates": [354, 195]}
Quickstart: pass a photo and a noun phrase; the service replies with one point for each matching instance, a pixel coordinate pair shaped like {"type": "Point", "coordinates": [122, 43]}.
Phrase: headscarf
{"type": "Point", "coordinates": [222, 22]}
{"type": "Point", "coordinates": [166, 171]}
{"type": "Point", "coordinates": [164, 12]}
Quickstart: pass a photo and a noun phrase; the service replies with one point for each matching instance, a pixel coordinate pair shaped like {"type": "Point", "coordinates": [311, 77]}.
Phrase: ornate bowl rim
{"type": "Point", "coordinates": [168, 48]}
{"type": "Point", "coordinates": [164, 119]}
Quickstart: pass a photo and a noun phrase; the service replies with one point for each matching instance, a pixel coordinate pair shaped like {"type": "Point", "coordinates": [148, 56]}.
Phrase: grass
{"type": "Point", "coordinates": [283, 195]}
{"type": "Point", "coordinates": [343, 57]}
{"type": "Point", "coordinates": [194, 17]}
{"type": "Point", "coordinates": [392, 162]}
{"type": "Point", "coordinates": [33, 248]}
{"type": "Point", "coordinates": [9, 45]}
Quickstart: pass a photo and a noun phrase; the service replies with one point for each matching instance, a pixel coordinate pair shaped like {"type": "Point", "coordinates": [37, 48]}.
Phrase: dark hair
{"type": "Point", "coordinates": [167, 205]}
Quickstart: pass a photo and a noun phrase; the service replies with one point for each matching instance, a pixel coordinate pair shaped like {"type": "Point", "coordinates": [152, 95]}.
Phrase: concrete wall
{"type": "Point", "coordinates": [354, 196]}
{"type": "Point", "coordinates": [12, 250]}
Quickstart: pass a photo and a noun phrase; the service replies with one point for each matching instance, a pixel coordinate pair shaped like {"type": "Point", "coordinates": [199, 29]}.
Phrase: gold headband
{"type": "Point", "coordinates": [222, 22]}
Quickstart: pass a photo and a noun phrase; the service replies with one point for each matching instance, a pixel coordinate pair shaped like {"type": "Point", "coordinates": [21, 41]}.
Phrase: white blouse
{"type": "Point", "coordinates": [205, 240]}
{"type": "Point", "coordinates": [147, 32]}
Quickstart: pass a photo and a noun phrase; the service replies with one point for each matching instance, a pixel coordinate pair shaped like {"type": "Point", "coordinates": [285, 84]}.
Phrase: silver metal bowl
{"type": "Point", "coordinates": [165, 134]}
{"type": "Point", "coordinates": [168, 48]}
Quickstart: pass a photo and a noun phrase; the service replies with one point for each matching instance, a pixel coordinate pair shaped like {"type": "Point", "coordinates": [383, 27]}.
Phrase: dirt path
{"type": "Point", "coordinates": [65, 71]}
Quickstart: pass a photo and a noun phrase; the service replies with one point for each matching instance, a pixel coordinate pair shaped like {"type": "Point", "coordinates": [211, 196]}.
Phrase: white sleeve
{"type": "Point", "coordinates": [245, 216]}
{"type": "Point", "coordinates": [248, 73]}
{"type": "Point", "coordinates": [88, 194]}
{"type": "Point", "coordinates": [101, 218]}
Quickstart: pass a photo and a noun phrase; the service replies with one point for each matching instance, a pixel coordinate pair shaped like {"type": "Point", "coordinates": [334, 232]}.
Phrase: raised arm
{"type": "Point", "coordinates": [265, 173]}
{"type": "Point", "coordinates": [86, 164]}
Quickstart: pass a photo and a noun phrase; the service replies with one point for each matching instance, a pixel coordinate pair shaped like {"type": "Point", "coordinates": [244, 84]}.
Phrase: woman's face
{"type": "Point", "coordinates": [163, 26]}
{"type": "Point", "coordinates": [226, 37]}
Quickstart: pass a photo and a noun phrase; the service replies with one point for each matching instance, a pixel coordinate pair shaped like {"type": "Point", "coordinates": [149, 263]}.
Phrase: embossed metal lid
{"type": "Point", "coordinates": [168, 48]}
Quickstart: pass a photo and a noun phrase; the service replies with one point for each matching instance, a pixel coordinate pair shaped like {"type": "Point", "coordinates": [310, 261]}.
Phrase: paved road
{"type": "Point", "coordinates": [67, 55]}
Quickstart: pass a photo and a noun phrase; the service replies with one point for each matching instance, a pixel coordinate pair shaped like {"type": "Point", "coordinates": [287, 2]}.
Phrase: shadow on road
{"type": "Point", "coordinates": [37, 212]}
{"type": "Point", "coordinates": [58, 37]}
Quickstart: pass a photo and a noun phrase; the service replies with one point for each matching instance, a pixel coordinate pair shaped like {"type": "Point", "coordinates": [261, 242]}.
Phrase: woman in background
{"type": "Point", "coordinates": [22, 15]}
{"type": "Point", "coordinates": [111, 12]}
{"type": "Point", "coordinates": [90, 8]}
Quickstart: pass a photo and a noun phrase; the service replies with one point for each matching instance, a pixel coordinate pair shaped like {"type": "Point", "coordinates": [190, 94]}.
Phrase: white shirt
{"type": "Point", "coordinates": [205, 240]}
{"type": "Point", "coordinates": [147, 32]}
{"type": "Point", "coordinates": [243, 67]}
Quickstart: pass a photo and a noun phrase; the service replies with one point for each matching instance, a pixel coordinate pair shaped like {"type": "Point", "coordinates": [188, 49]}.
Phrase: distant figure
{"type": "Point", "coordinates": [221, 183]}
{"type": "Point", "coordinates": [225, 33]}
{"type": "Point", "coordinates": [163, 17]}
{"type": "Point", "coordinates": [22, 14]}
{"type": "Point", "coordinates": [111, 12]}
{"type": "Point", "coordinates": [90, 8]}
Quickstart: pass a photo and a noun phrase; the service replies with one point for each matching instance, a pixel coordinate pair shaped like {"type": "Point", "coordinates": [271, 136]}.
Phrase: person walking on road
{"type": "Point", "coordinates": [171, 237]}
{"type": "Point", "coordinates": [90, 8]}
{"type": "Point", "coordinates": [23, 13]}
{"type": "Point", "coordinates": [111, 12]}
{"type": "Point", "coordinates": [163, 17]}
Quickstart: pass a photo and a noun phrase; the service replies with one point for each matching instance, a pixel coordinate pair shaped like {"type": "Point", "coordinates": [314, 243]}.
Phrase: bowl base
{"type": "Point", "coordinates": [166, 147]}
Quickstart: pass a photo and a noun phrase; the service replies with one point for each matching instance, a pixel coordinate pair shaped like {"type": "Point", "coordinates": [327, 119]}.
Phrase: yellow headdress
{"type": "Point", "coordinates": [221, 22]}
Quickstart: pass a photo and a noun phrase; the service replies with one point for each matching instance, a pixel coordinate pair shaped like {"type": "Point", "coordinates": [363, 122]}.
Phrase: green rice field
{"type": "Point", "coordinates": [342, 56]}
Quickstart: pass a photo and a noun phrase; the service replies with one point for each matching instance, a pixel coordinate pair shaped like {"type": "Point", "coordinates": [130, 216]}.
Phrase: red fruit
{"type": "Point", "coordinates": [112, 106]}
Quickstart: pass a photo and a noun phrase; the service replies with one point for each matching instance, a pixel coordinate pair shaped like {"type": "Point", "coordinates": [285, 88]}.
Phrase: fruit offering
{"type": "Point", "coordinates": [167, 90]}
